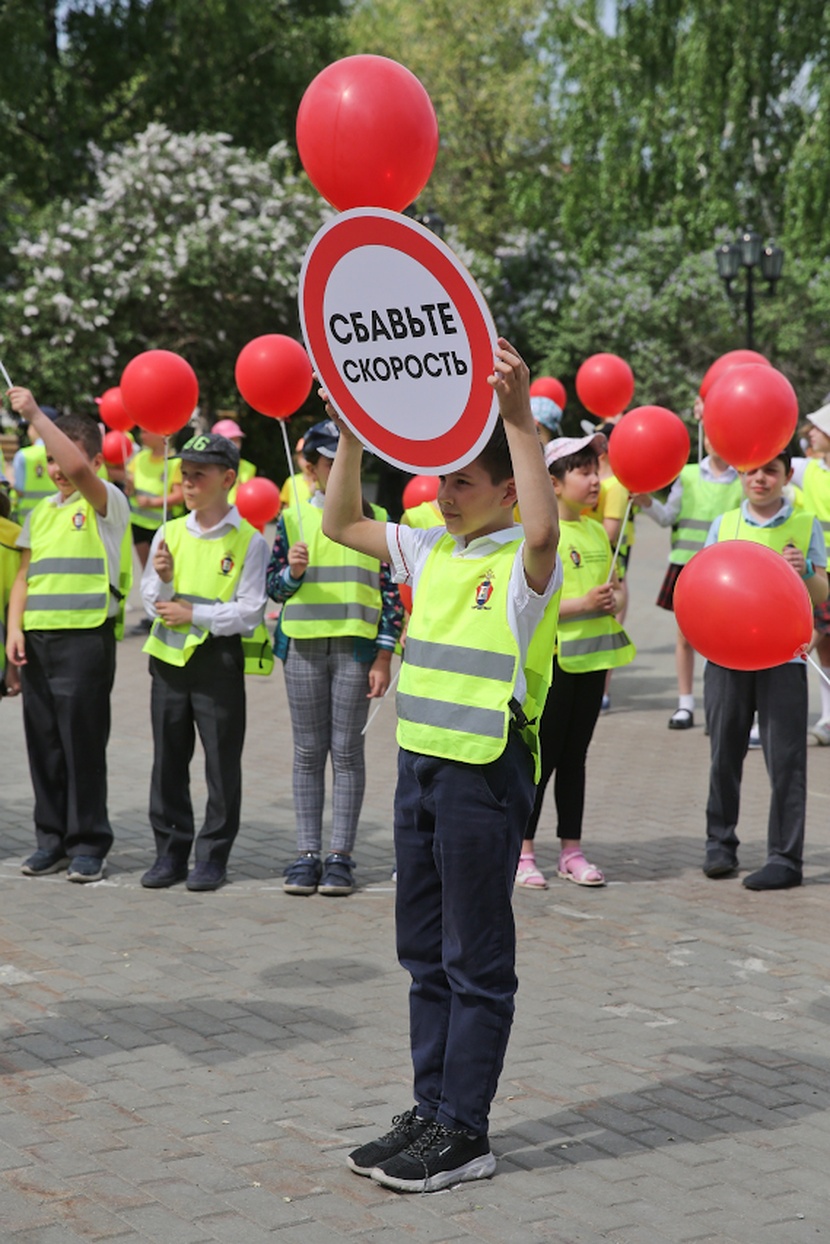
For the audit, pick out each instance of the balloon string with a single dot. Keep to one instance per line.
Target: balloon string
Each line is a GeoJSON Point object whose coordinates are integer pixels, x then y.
{"type": "Point", "coordinates": [6, 377]}
{"type": "Point", "coordinates": [620, 539]}
{"type": "Point", "coordinates": [817, 668]}
{"type": "Point", "coordinates": [378, 703]}
{"type": "Point", "coordinates": [164, 498]}
{"type": "Point", "coordinates": [700, 440]}
{"type": "Point", "coordinates": [293, 480]}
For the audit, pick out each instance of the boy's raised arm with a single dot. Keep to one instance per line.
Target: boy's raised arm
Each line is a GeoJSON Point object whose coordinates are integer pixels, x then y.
{"type": "Point", "coordinates": [534, 491]}
{"type": "Point", "coordinates": [73, 462]}
{"type": "Point", "coordinates": [343, 517]}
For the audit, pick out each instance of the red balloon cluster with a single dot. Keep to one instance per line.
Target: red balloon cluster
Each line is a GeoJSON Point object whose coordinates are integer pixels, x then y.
{"type": "Point", "coordinates": [419, 489]}
{"type": "Point", "coordinates": [750, 415]}
{"type": "Point", "coordinates": [113, 412]}
{"type": "Point", "coordinates": [258, 500]}
{"type": "Point", "coordinates": [733, 358]}
{"type": "Point", "coordinates": [605, 385]}
{"type": "Point", "coordinates": [367, 134]}
{"type": "Point", "coordinates": [159, 391]}
{"type": "Point", "coordinates": [549, 386]}
{"type": "Point", "coordinates": [274, 375]}
{"type": "Point", "coordinates": [648, 448]}
{"type": "Point", "coordinates": [741, 605]}
{"type": "Point", "coordinates": [117, 448]}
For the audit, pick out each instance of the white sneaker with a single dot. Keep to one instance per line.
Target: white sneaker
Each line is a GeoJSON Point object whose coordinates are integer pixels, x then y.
{"type": "Point", "coordinates": [754, 737]}
{"type": "Point", "coordinates": [821, 732]}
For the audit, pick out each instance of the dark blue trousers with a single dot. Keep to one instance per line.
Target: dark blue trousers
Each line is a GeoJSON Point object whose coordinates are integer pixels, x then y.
{"type": "Point", "coordinates": [458, 834]}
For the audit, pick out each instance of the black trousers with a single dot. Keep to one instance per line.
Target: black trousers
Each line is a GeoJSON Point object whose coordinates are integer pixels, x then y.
{"type": "Point", "coordinates": [67, 682]}
{"type": "Point", "coordinates": [731, 698]}
{"type": "Point", "coordinates": [208, 695]}
{"type": "Point", "coordinates": [565, 733]}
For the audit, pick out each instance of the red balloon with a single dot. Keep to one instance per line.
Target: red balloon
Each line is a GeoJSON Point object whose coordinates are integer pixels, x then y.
{"type": "Point", "coordinates": [405, 592]}
{"type": "Point", "coordinates": [113, 412]}
{"type": "Point", "coordinates": [605, 385]}
{"type": "Point", "coordinates": [734, 358]}
{"type": "Point", "coordinates": [258, 500]}
{"type": "Point", "coordinates": [419, 489]}
{"type": "Point", "coordinates": [750, 415]}
{"type": "Point", "coordinates": [160, 391]}
{"type": "Point", "coordinates": [367, 134]}
{"type": "Point", "coordinates": [273, 374]}
{"type": "Point", "coordinates": [648, 448]}
{"type": "Point", "coordinates": [549, 386]}
{"type": "Point", "coordinates": [117, 448]}
{"type": "Point", "coordinates": [741, 605]}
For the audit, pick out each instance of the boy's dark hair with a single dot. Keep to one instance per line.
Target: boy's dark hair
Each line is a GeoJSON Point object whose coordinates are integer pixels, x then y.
{"type": "Point", "coordinates": [784, 455]}
{"type": "Point", "coordinates": [495, 456]}
{"type": "Point", "coordinates": [572, 462]}
{"type": "Point", "coordinates": [83, 431]}
{"type": "Point", "coordinates": [5, 503]}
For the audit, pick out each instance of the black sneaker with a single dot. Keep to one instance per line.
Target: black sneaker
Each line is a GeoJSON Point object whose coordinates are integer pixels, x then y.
{"type": "Point", "coordinates": [207, 875]}
{"type": "Point", "coordinates": [720, 864]}
{"type": "Point", "coordinates": [406, 1128]}
{"type": "Point", "coordinates": [338, 875]}
{"type": "Point", "coordinates": [85, 868]}
{"type": "Point", "coordinates": [438, 1158]}
{"type": "Point", "coordinates": [303, 876]}
{"type": "Point", "coordinates": [41, 863]}
{"type": "Point", "coordinates": [165, 872]}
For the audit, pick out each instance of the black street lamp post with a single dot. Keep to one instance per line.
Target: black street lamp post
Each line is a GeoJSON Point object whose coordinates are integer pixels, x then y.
{"type": "Point", "coordinates": [748, 251]}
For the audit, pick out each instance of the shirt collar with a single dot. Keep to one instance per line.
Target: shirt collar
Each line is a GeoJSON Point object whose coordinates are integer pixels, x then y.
{"type": "Point", "coordinates": [779, 517]}
{"type": "Point", "coordinates": [486, 544]}
{"type": "Point", "coordinates": [726, 476]}
{"type": "Point", "coordinates": [59, 499]}
{"type": "Point", "coordinates": [231, 519]}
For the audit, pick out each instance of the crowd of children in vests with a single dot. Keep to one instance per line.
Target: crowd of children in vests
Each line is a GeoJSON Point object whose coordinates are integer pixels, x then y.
{"type": "Point", "coordinates": [513, 632]}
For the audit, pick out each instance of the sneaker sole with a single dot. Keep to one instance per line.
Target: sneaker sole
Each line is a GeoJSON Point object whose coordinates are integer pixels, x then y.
{"type": "Point", "coordinates": [359, 1170]}
{"type": "Point", "coordinates": [45, 872]}
{"type": "Point", "coordinates": [478, 1168]}
{"type": "Point", "coordinates": [299, 889]}
{"type": "Point", "coordinates": [333, 891]}
{"type": "Point", "coordinates": [79, 878]}
{"type": "Point", "coordinates": [164, 884]}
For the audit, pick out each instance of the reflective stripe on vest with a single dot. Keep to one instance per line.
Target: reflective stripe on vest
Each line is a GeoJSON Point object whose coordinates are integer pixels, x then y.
{"type": "Point", "coordinates": [593, 639]}
{"type": "Point", "coordinates": [199, 567]}
{"type": "Point", "coordinates": [68, 583]}
{"type": "Point", "coordinates": [701, 502]}
{"type": "Point", "coordinates": [454, 694]}
{"type": "Point", "coordinates": [340, 591]}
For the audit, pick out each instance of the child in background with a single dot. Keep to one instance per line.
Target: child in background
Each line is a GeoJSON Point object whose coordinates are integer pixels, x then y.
{"type": "Point", "coordinates": [204, 585]}
{"type": "Point", "coordinates": [473, 682]}
{"type": "Point", "coordinates": [779, 695]}
{"type": "Point", "coordinates": [230, 429]}
{"type": "Point", "coordinates": [9, 566]}
{"type": "Point", "coordinates": [302, 480]}
{"type": "Point", "coordinates": [812, 475]}
{"type": "Point", "coordinates": [336, 634]}
{"type": "Point", "coordinates": [145, 488]}
{"type": "Point", "coordinates": [65, 606]}
{"type": "Point", "coordinates": [30, 475]}
{"type": "Point", "coordinates": [701, 492]}
{"type": "Point", "coordinates": [589, 641]}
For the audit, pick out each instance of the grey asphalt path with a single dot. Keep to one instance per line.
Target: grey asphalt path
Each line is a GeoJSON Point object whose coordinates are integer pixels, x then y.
{"type": "Point", "coordinates": [182, 1068]}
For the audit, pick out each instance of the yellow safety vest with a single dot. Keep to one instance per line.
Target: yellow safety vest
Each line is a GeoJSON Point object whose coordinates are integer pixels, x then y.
{"type": "Point", "coordinates": [206, 572]}
{"type": "Point", "coordinates": [816, 486]}
{"type": "Point", "coordinates": [593, 640]}
{"type": "Point", "coordinates": [304, 488]}
{"type": "Point", "coordinates": [246, 471]}
{"type": "Point", "coordinates": [147, 475]}
{"type": "Point", "coordinates": [796, 530]}
{"type": "Point", "coordinates": [36, 481]}
{"type": "Point", "coordinates": [424, 516]}
{"type": "Point", "coordinates": [68, 579]}
{"type": "Point", "coordinates": [703, 500]}
{"type": "Point", "coordinates": [340, 592]}
{"type": "Point", "coordinates": [9, 566]}
{"type": "Point", "coordinates": [458, 677]}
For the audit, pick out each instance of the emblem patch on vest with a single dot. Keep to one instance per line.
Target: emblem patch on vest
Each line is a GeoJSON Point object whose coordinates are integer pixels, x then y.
{"type": "Point", "coordinates": [39, 470]}
{"type": "Point", "coordinates": [226, 564]}
{"type": "Point", "coordinates": [575, 558]}
{"type": "Point", "coordinates": [484, 591]}
{"type": "Point", "coordinates": [79, 520]}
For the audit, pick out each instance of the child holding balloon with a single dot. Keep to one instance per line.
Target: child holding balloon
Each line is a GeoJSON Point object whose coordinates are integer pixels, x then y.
{"type": "Point", "coordinates": [589, 642]}
{"type": "Point", "coordinates": [65, 609]}
{"type": "Point", "coordinates": [812, 475]}
{"type": "Point", "coordinates": [779, 694]}
{"type": "Point", "coordinates": [336, 634]}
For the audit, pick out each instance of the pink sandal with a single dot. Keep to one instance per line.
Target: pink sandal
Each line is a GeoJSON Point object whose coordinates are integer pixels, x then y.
{"type": "Point", "coordinates": [573, 866]}
{"type": "Point", "coordinates": [527, 874]}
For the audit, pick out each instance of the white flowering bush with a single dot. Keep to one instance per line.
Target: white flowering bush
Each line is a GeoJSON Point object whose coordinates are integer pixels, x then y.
{"type": "Point", "coordinates": [189, 244]}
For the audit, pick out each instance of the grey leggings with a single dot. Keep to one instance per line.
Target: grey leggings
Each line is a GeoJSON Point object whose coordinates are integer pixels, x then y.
{"type": "Point", "coordinates": [327, 692]}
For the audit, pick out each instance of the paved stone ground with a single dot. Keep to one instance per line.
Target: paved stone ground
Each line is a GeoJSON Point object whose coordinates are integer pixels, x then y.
{"type": "Point", "coordinates": [183, 1068]}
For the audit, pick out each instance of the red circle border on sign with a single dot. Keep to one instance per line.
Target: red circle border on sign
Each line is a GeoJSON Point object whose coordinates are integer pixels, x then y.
{"type": "Point", "coordinates": [371, 228]}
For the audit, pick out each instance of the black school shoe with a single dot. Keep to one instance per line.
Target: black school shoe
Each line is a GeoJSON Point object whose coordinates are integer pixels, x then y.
{"type": "Point", "coordinates": [720, 864]}
{"type": "Point", "coordinates": [406, 1128]}
{"type": "Point", "coordinates": [206, 876]}
{"type": "Point", "coordinates": [773, 877]}
{"type": "Point", "coordinates": [439, 1158]}
{"type": "Point", "coordinates": [165, 872]}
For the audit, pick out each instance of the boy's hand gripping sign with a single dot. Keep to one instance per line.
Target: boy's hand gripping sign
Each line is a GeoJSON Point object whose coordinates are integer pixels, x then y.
{"type": "Point", "coordinates": [401, 338]}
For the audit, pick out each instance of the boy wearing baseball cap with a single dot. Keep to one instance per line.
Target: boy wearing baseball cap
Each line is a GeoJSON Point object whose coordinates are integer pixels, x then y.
{"type": "Point", "coordinates": [204, 588]}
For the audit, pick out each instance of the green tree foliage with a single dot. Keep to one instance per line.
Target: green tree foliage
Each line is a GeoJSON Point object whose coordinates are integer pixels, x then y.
{"type": "Point", "coordinates": [102, 70]}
